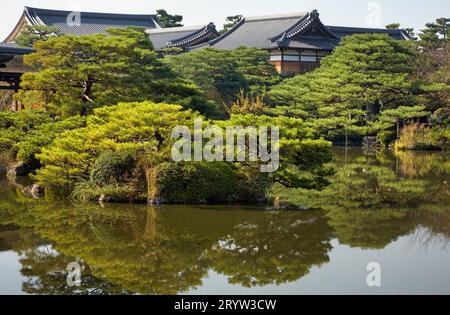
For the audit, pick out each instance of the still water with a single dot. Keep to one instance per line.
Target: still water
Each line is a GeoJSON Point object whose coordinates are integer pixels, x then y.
{"type": "Point", "coordinates": [393, 210]}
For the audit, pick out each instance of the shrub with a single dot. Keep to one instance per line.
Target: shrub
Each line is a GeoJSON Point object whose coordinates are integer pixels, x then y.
{"type": "Point", "coordinates": [88, 191]}
{"type": "Point", "coordinates": [252, 185]}
{"type": "Point", "coordinates": [419, 137]}
{"type": "Point", "coordinates": [113, 168]}
{"type": "Point", "coordinates": [441, 118]}
{"type": "Point", "coordinates": [441, 138]}
{"type": "Point", "coordinates": [196, 182]}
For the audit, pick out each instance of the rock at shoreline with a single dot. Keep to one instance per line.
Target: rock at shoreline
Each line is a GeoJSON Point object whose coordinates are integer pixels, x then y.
{"type": "Point", "coordinates": [34, 191]}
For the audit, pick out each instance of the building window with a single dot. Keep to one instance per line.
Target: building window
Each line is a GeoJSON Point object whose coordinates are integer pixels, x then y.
{"type": "Point", "coordinates": [308, 58]}
{"type": "Point", "coordinates": [275, 58]}
{"type": "Point", "coordinates": [292, 58]}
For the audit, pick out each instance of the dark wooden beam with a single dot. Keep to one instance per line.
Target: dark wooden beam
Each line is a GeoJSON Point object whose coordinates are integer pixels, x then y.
{"type": "Point", "coordinates": [6, 87]}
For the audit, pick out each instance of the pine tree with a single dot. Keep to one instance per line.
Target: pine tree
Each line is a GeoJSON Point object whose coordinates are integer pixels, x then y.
{"type": "Point", "coordinates": [75, 74]}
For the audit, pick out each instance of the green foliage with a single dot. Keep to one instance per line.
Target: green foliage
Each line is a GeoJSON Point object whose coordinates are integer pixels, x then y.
{"type": "Point", "coordinates": [23, 134]}
{"type": "Point", "coordinates": [436, 34]}
{"type": "Point", "coordinates": [75, 74]}
{"type": "Point", "coordinates": [246, 104]}
{"type": "Point", "coordinates": [374, 198]}
{"type": "Point", "coordinates": [140, 127]}
{"type": "Point", "coordinates": [166, 20]}
{"type": "Point", "coordinates": [221, 74]}
{"type": "Point", "coordinates": [421, 137]}
{"type": "Point", "coordinates": [14, 126]}
{"type": "Point", "coordinates": [396, 26]}
{"type": "Point", "coordinates": [43, 135]}
{"type": "Point", "coordinates": [441, 118]}
{"type": "Point", "coordinates": [297, 147]}
{"type": "Point", "coordinates": [365, 75]}
{"type": "Point", "coordinates": [197, 182]}
{"type": "Point", "coordinates": [387, 137]}
{"type": "Point", "coordinates": [432, 70]}
{"type": "Point", "coordinates": [137, 139]}
{"type": "Point", "coordinates": [112, 168]}
{"type": "Point", "coordinates": [393, 26]}
{"type": "Point", "coordinates": [389, 118]}
{"type": "Point", "coordinates": [29, 35]}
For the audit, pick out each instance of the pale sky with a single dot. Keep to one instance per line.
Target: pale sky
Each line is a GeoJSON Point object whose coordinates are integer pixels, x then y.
{"type": "Point", "coordinates": [364, 13]}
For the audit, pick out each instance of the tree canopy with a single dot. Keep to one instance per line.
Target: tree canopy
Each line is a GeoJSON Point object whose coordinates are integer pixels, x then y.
{"type": "Point", "coordinates": [222, 74]}
{"type": "Point", "coordinates": [167, 20]}
{"type": "Point", "coordinates": [29, 35]}
{"type": "Point", "coordinates": [364, 76]}
{"type": "Point", "coordinates": [436, 34]}
{"type": "Point", "coordinates": [75, 74]}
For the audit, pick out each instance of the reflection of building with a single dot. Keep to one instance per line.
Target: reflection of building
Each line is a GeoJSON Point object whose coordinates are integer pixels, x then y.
{"type": "Point", "coordinates": [296, 42]}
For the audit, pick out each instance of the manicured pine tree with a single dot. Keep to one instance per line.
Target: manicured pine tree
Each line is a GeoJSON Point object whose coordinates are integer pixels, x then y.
{"type": "Point", "coordinates": [75, 74]}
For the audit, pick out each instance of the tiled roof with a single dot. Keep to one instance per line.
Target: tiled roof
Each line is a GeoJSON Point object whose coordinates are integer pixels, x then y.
{"type": "Point", "coordinates": [91, 23]}
{"type": "Point", "coordinates": [342, 31]}
{"type": "Point", "coordinates": [256, 32]}
{"type": "Point", "coordinates": [301, 30]}
{"type": "Point", "coordinates": [182, 36]}
{"type": "Point", "coordinates": [312, 43]}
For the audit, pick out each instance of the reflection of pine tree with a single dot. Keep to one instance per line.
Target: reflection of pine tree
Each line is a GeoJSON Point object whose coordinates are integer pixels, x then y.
{"type": "Point", "coordinates": [274, 248]}
{"type": "Point", "coordinates": [371, 198]}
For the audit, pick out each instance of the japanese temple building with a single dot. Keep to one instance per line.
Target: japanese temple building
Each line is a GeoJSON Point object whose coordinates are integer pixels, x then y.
{"type": "Point", "coordinates": [98, 23]}
{"type": "Point", "coordinates": [296, 42]}
{"type": "Point", "coordinates": [12, 68]}
{"type": "Point", "coordinates": [90, 23]}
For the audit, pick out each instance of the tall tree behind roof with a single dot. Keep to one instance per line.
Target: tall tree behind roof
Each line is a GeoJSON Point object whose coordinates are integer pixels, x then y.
{"type": "Point", "coordinates": [436, 34]}
{"type": "Point", "coordinates": [396, 26]}
{"type": "Point", "coordinates": [31, 34]}
{"type": "Point", "coordinates": [167, 20]}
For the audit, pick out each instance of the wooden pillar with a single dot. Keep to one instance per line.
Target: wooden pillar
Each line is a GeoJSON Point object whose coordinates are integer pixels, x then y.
{"type": "Point", "coordinates": [16, 90]}
{"type": "Point", "coordinates": [300, 61]}
{"type": "Point", "coordinates": [282, 61]}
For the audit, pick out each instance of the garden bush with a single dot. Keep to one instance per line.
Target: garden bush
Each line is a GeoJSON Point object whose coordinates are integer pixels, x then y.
{"type": "Point", "coordinates": [113, 168]}
{"type": "Point", "coordinates": [196, 182]}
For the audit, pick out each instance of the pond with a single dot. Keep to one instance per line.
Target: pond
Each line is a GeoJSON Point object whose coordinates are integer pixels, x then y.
{"type": "Point", "coordinates": [384, 209]}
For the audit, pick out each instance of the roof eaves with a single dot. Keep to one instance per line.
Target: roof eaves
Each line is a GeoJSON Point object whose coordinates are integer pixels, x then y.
{"type": "Point", "coordinates": [312, 17]}
{"type": "Point", "coordinates": [32, 16]}
{"type": "Point", "coordinates": [188, 38]}
{"type": "Point", "coordinates": [194, 36]}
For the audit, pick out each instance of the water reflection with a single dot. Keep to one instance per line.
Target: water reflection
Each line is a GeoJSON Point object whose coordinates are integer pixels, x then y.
{"type": "Point", "coordinates": [374, 200]}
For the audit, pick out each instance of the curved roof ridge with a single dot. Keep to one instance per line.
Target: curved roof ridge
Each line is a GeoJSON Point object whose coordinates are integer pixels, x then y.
{"type": "Point", "coordinates": [276, 16]}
